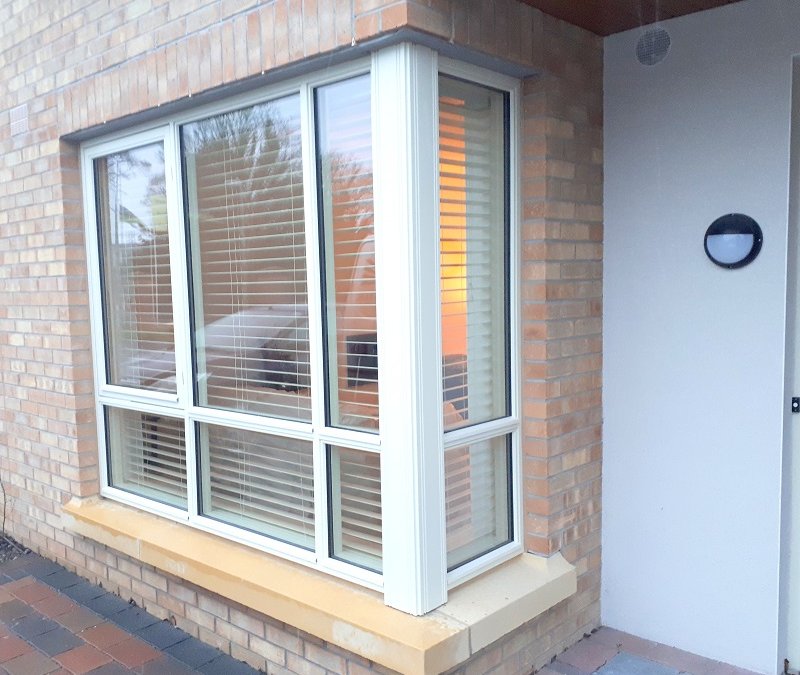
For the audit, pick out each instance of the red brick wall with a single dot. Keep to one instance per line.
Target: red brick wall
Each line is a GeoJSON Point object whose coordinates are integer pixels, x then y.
{"type": "Point", "coordinates": [79, 63]}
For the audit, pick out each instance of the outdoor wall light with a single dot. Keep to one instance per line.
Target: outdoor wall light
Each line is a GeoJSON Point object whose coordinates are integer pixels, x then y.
{"type": "Point", "coordinates": [733, 241]}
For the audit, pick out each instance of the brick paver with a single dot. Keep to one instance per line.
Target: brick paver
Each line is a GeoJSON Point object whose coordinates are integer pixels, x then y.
{"type": "Point", "coordinates": [164, 665]}
{"type": "Point", "coordinates": [14, 609]}
{"type": "Point", "coordinates": [132, 652]}
{"type": "Point", "coordinates": [588, 655]}
{"type": "Point", "coordinates": [83, 659]}
{"type": "Point", "coordinates": [104, 635]}
{"type": "Point", "coordinates": [47, 629]}
{"type": "Point", "coordinates": [12, 646]}
{"type": "Point", "coordinates": [52, 622]}
{"type": "Point", "coordinates": [32, 663]}
{"type": "Point", "coordinates": [34, 592]}
{"type": "Point", "coordinates": [611, 652]}
{"type": "Point", "coordinates": [79, 619]}
{"type": "Point", "coordinates": [55, 606]}
{"type": "Point", "coordinates": [32, 625]}
{"type": "Point", "coordinates": [56, 641]}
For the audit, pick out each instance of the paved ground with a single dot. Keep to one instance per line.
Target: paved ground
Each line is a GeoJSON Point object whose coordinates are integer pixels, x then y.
{"type": "Point", "coordinates": [610, 652]}
{"type": "Point", "coordinates": [52, 621]}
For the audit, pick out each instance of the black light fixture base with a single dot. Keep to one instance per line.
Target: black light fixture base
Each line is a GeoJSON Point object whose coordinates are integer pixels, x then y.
{"type": "Point", "coordinates": [733, 241]}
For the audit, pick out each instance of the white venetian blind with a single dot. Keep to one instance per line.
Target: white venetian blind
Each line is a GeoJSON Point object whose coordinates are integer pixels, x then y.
{"type": "Point", "coordinates": [473, 243]}
{"type": "Point", "coordinates": [476, 499]}
{"type": "Point", "coordinates": [148, 455]}
{"type": "Point", "coordinates": [356, 506]}
{"type": "Point", "coordinates": [137, 290]}
{"type": "Point", "coordinates": [344, 147]}
{"type": "Point", "coordinates": [259, 482]}
{"type": "Point", "coordinates": [244, 190]}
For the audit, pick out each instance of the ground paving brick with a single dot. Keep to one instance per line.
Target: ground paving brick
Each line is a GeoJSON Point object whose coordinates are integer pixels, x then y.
{"type": "Point", "coordinates": [73, 627]}
{"type": "Point", "coordinates": [83, 659]}
{"type": "Point", "coordinates": [32, 663]}
{"type": "Point", "coordinates": [134, 619]}
{"type": "Point", "coordinates": [32, 625]}
{"type": "Point", "coordinates": [56, 641]}
{"type": "Point", "coordinates": [14, 609]}
{"type": "Point", "coordinates": [108, 604]}
{"type": "Point", "coordinates": [611, 652]}
{"type": "Point", "coordinates": [162, 635]}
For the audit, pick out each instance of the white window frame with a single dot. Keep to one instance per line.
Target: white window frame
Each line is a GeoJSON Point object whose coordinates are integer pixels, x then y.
{"type": "Point", "coordinates": [404, 81]}
{"type": "Point", "coordinates": [509, 425]}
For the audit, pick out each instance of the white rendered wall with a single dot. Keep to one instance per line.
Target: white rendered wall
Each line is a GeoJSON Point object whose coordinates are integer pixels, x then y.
{"type": "Point", "coordinates": [694, 354]}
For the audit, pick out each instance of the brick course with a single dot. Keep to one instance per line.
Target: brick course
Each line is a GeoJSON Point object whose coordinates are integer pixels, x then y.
{"type": "Point", "coordinates": [76, 64]}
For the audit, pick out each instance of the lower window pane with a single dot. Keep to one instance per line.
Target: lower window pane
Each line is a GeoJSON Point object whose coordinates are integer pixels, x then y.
{"type": "Point", "coordinates": [355, 494]}
{"type": "Point", "coordinates": [477, 499]}
{"type": "Point", "coordinates": [147, 455]}
{"type": "Point", "coordinates": [259, 482]}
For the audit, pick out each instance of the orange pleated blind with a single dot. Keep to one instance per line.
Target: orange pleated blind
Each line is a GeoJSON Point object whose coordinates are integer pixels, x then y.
{"type": "Point", "coordinates": [473, 242]}
{"type": "Point", "coordinates": [473, 252]}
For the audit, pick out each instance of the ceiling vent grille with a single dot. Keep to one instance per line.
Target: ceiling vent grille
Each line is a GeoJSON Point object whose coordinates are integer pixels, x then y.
{"type": "Point", "coordinates": [653, 46]}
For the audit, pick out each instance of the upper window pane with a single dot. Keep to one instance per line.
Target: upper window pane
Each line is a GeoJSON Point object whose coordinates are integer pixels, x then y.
{"type": "Point", "coordinates": [137, 289]}
{"type": "Point", "coordinates": [344, 165]}
{"type": "Point", "coordinates": [244, 195]}
{"type": "Point", "coordinates": [473, 170]}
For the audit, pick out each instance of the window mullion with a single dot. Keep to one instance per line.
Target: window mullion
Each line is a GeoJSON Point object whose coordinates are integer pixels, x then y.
{"type": "Point", "coordinates": [409, 345]}
{"type": "Point", "coordinates": [180, 302]}
{"type": "Point", "coordinates": [316, 366]}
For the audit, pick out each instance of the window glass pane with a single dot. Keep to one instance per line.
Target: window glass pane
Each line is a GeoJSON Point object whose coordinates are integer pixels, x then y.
{"type": "Point", "coordinates": [244, 195]}
{"type": "Point", "coordinates": [137, 290]}
{"type": "Point", "coordinates": [355, 496]}
{"type": "Point", "coordinates": [344, 147]}
{"type": "Point", "coordinates": [473, 244]}
{"type": "Point", "coordinates": [147, 455]}
{"type": "Point", "coordinates": [260, 482]}
{"type": "Point", "coordinates": [477, 506]}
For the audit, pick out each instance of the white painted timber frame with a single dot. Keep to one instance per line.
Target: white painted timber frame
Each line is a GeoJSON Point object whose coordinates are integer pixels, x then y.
{"type": "Point", "coordinates": [404, 84]}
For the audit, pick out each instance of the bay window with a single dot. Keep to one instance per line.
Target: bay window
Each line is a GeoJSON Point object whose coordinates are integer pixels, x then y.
{"type": "Point", "coordinates": [304, 320]}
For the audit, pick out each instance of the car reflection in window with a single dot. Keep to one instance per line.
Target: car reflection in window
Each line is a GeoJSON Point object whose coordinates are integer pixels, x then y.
{"type": "Point", "coordinates": [267, 348]}
{"type": "Point", "coordinates": [261, 346]}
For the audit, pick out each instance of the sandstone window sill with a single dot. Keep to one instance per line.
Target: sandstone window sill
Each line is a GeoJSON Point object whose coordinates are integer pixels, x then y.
{"type": "Point", "coordinates": [477, 613]}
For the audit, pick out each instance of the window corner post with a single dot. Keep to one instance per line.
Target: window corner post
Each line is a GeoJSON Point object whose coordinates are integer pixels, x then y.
{"type": "Point", "coordinates": [409, 346]}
